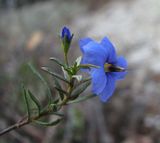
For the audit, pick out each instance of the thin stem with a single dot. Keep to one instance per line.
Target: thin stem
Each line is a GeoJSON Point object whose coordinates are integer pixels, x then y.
{"type": "Point", "coordinates": [44, 112]}
{"type": "Point", "coordinates": [24, 122]}
{"type": "Point", "coordinates": [15, 126]}
{"type": "Point", "coordinates": [47, 110]}
{"type": "Point", "coordinates": [66, 59]}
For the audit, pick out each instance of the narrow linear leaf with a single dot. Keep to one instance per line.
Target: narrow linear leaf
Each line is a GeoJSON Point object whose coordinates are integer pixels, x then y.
{"type": "Point", "coordinates": [66, 72]}
{"type": "Point", "coordinates": [88, 66]}
{"type": "Point", "coordinates": [35, 100]}
{"type": "Point", "coordinates": [58, 114]}
{"type": "Point", "coordinates": [85, 80]}
{"type": "Point", "coordinates": [57, 61]}
{"type": "Point", "coordinates": [60, 90]}
{"type": "Point", "coordinates": [36, 73]}
{"type": "Point", "coordinates": [53, 123]}
{"type": "Point", "coordinates": [59, 87]}
{"type": "Point", "coordinates": [80, 89]}
{"type": "Point", "coordinates": [27, 102]}
{"type": "Point", "coordinates": [55, 74]}
{"type": "Point", "coordinates": [43, 80]}
{"type": "Point", "coordinates": [82, 99]}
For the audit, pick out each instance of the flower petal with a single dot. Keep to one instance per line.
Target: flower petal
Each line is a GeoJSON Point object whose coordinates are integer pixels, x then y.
{"type": "Point", "coordinates": [111, 57]}
{"type": "Point", "coordinates": [66, 32]}
{"type": "Point", "coordinates": [83, 42]}
{"type": "Point", "coordinates": [98, 80]}
{"type": "Point", "coordinates": [121, 61]}
{"type": "Point", "coordinates": [94, 53]}
{"type": "Point", "coordinates": [109, 88]}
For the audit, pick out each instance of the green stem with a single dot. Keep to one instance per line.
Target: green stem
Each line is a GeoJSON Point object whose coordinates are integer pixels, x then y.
{"type": "Point", "coordinates": [21, 123]}
{"type": "Point", "coordinates": [66, 59]}
{"type": "Point", "coordinates": [47, 110]}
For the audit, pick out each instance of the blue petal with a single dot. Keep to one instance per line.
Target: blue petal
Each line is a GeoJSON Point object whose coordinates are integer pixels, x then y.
{"type": "Point", "coordinates": [83, 42]}
{"type": "Point", "coordinates": [111, 57]}
{"type": "Point", "coordinates": [109, 88]}
{"type": "Point", "coordinates": [66, 32]}
{"type": "Point", "coordinates": [98, 80]}
{"type": "Point", "coordinates": [121, 61]}
{"type": "Point", "coordinates": [94, 54]}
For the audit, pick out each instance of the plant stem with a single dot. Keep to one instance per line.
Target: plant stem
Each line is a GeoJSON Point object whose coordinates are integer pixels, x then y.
{"type": "Point", "coordinates": [47, 110]}
{"type": "Point", "coordinates": [24, 122]}
{"type": "Point", "coordinates": [66, 59]}
{"type": "Point", "coordinates": [27, 121]}
{"type": "Point", "coordinates": [15, 126]}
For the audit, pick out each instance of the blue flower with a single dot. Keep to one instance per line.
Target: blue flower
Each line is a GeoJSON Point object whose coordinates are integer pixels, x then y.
{"type": "Point", "coordinates": [111, 67]}
{"type": "Point", "coordinates": [65, 33]}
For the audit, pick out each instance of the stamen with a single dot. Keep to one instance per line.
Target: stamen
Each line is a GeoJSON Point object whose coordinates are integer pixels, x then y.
{"type": "Point", "coordinates": [113, 68]}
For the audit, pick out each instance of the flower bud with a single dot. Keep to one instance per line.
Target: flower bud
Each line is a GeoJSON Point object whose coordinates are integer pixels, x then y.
{"type": "Point", "coordinates": [66, 38]}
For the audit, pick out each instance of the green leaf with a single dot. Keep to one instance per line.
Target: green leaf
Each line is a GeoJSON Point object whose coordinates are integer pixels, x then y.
{"type": "Point", "coordinates": [79, 90]}
{"type": "Point", "coordinates": [35, 100]}
{"type": "Point", "coordinates": [57, 61]}
{"type": "Point", "coordinates": [55, 74]}
{"type": "Point", "coordinates": [43, 80]}
{"type": "Point", "coordinates": [88, 66]}
{"type": "Point", "coordinates": [25, 94]}
{"type": "Point", "coordinates": [60, 90]}
{"type": "Point", "coordinates": [57, 114]}
{"type": "Point", "coordinates": [84, 81]}
{"type": "Point", "coordinates": [53, 123]}
{"type": "Point", "coordinates": [66, 72]}
{"type": "Point", "coordinates": [57, 84]}
{"type": "Point", "coordinates": [82, 99]}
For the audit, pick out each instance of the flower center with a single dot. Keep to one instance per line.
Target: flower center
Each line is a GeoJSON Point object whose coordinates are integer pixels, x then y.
{"type": "Point", "coordinates": [113, 68]}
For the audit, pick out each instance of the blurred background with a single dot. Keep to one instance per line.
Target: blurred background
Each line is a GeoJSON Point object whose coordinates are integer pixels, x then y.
{"type": "Point", "coordinates": [29, 31]}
